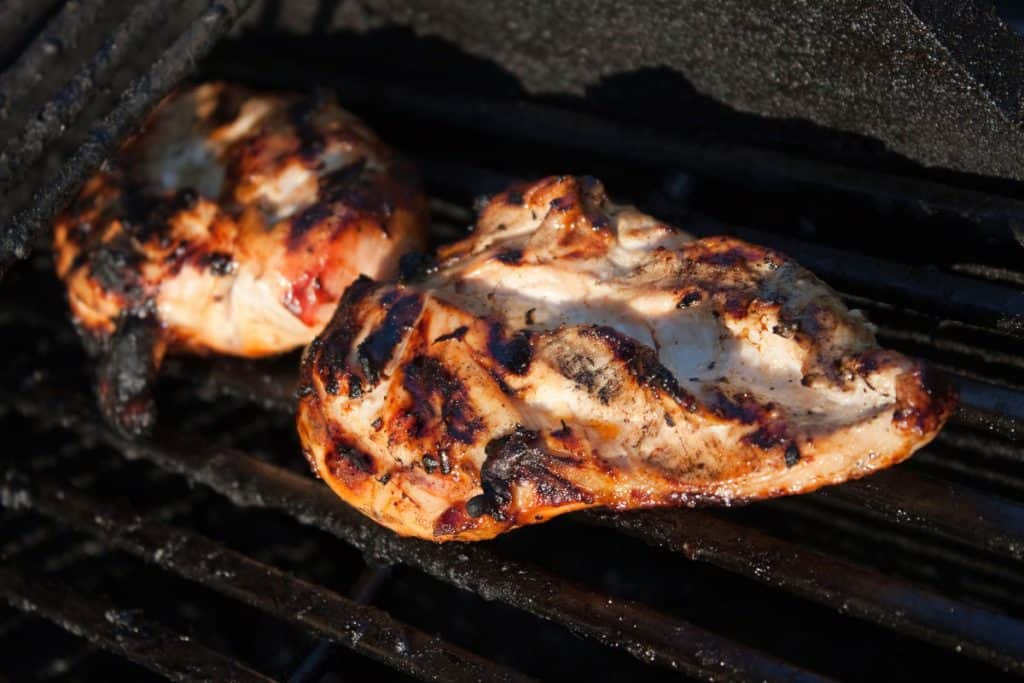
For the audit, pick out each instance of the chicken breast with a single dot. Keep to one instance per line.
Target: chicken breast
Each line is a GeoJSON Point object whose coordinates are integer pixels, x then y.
{"type": "Point", "coordinates": [230, 224]}
{"type": "Point", "coordinates": [575, 353]}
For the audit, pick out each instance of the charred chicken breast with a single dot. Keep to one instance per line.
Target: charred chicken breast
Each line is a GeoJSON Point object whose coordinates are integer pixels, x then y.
{"type": "Point", "coordinates": [230, 224]}
{"type": "Point", "coordinates": [575, 353]}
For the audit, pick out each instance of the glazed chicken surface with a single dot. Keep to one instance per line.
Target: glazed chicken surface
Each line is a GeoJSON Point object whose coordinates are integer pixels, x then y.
{"type": "Point", "coordinates": [573, 353]}
{"type": "Point", "coordinates": [230, 224]}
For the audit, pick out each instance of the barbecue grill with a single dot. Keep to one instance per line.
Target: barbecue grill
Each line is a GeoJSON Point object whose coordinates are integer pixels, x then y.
{"type": "Point", "coordinates": [208, 551]}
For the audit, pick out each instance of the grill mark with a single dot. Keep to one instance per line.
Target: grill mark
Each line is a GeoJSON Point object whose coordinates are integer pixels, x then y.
{"type": "Point", "coordinates": [580, 369]}
{"type": "Point", "coordinates": [515, 353]}
{"type": "Point", "coordinates": [376, 350]}
{"type": "Point", "coordinates": [458, 333]}
{"type": "Point", "coordinates": [328, 354]}
{"type": "Point", "coordinates": [642, 363]}
{"type": "Point", "coordinates": [302, 114]}
{"type": "Point", "coordinates": [340, 191]}
{"type": "Point", "coordinates": [344, 459]}
{"type": "Point", "coordinates": [742, 408]}
{"type": "Point", "coordinates": [145, 216]}
{"type": "Point", "coordinates": [434, 390]}
{"type": "Point", "coordinates": [307, 219]}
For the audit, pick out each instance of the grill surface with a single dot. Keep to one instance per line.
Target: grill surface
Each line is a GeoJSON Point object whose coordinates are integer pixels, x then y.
{"type": "Point", "coordinates": [210, 553]}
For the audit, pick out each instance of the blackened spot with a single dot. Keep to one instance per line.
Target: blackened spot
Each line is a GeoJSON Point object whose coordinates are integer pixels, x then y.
{"type": "Point", "coordinates": [144, 215]}
{"type": "Point", "coordinates": [479, 505]}
{"type": "Point", "coordinates": [305, 389]}
{"type": "Point", "coordinates": [767, 437]}
{"type": "Point", "coordinates": [346, 184]}
{"type": "Point", "coordinates": [308, 218]}
{"type": "Point", "coordinates": [510, 257]}
{"type": "Point", "coordinates": [126, 374]}
{"type": "Point", "coordinates": [737, 303]}
{"type": "Point", "coordinates": [435, 391]}
{"type": "Point", "coordinates": [331, 386]}
{"type": "Point", "coordinates": [608, 391]}
{"type": "Point", "coordinates": [416, 266]}
{"type": "Point", "coordinates": [350, 453]}
{"type": "Point", "coordinates": [578, 368]}
{"type": "Point", "coordinates": [741, 408]}
{"type": "Point", "coordinates": [728, 258]}
{"type": "Point", "coordinates": [429, 463]}
{"type": "Point", "coordinates": [669, 421]}
{"type": "Point", "coordinates": [502, 384]}
{"type": "Point", "coordinates": [457, 333]}
{"type": "Point", "coordinates": [384, 478]}
{"type": "Point", "coordinates": [504, 456]}
{"type": "Point", "coordinates": [446, 464]}
{"type": "Point", "coordinates": [220, 263]}
{"type": "Point", "coordinates": [689, 299]}
{"type": "Point", "coordinates": [375, 351]}
{"type": "Point", "coordinates": [303, 114]}
{"type": "Point", "coordinates": [377, 423]}
{"type": "Point", "coordinates": [515, 457]}
{"type": "Point", "coordinates": [562, 432]}
{"type": "Point", "coordinates": [329, 352]}
{"type": "Point", "coordinates": [792, 455]}
{"type": "Point", "coordinates": [115, 267]}
{"type": "Point", "coordinates": [529, 316]}
{"type": "Point", "coordinates": [513, 354]}
{"type": "Point", "coordinates": [229, 103]}
{"type": "Point", "coordinates": [642, 362]}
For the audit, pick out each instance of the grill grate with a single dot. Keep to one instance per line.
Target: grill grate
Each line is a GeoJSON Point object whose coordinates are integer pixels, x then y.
{"type": "Point", "coordinates": [927, 557]}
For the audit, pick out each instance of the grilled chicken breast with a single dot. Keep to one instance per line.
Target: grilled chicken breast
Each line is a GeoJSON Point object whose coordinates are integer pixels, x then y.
{"type": "Point", "coordinates": [230, 224]}
{"type": "Point", "coordinates": [575, 353]}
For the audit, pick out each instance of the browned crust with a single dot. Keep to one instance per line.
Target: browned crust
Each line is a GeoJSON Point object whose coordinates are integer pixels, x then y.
{"type": "Point", "coordinates": [121, 240]}
{"type": "Point", "coordinates": [461, 388]}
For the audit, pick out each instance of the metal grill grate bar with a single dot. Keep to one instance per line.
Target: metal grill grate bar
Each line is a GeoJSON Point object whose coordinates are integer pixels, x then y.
{"type": "Point", "coordinates": [24, 149]}
{"type": "Point", "coordinates": [859, 591]}
{"type": "Point", "coordinates": [123, 632]}
{"type": "Point", "coordinates": [937, 507]}
{"type": "Point", "coordinates": [173, 65]}
{"type": "Point", "coordinates": [978, 519]}
{"type": "Point", "coordinates": [364, 629]}
{"type": "Point", "coordinates": [648, 635]}
{"type": "Point", "coordinates": [18, 21]}
{"type": "Point", "coordinates": [65, 28]}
